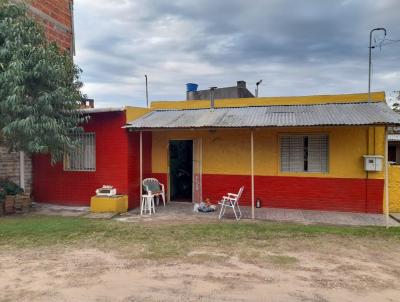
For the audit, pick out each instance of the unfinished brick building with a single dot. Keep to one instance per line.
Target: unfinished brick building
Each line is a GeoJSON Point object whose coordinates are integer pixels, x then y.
{"type": "Point", "coordinates": [57, 19]}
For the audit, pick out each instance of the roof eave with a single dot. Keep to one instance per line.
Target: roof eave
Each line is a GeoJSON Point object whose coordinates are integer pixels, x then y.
{"type": "Point", "coordinates": [133, 128]}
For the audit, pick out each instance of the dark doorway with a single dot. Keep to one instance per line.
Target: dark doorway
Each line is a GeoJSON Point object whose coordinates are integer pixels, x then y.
{"type": "Point", "coordinates": [181, 170]}
{"type": "Point", "coordinates": [392, 153]}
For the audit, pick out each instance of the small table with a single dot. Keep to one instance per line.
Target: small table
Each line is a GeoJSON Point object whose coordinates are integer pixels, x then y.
{"type": "Point", "coordinates": [147, 204]}
{"type": "Point", "coordinates": [106, 204]}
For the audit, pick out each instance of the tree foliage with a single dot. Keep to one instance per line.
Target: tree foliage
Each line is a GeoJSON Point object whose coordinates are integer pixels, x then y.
{"type": "Point", "coordinates": [39, 87]}
{"type": "Point", "coordinates": [396, 104]}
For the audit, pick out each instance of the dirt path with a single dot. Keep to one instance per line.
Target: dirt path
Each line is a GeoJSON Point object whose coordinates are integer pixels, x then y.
{"type": "Point", "coordinates": [86, 274]}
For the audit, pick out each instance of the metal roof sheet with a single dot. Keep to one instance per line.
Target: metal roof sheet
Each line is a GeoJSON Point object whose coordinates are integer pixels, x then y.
{"type": "Point", "coordinates": [101, 110]}
{"type": "Point", "coordinates": [375, 113]}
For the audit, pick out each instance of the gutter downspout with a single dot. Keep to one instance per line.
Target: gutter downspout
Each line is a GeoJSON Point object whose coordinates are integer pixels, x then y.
{"type": "Point", "coordinates": [22, 170]}
{"type": "Point", "coordinates": [386, 178]}
{"type": "Point", "coordinates": [140, 164]}
{"type": "Point", "coordinates": [252, 173]}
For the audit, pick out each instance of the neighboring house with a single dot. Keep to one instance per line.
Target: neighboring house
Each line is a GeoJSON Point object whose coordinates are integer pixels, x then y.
{"type": "Point", "coordinates": [57, 18]}
{"type": "Point", "coordinates": [234, 92]}
{"type": "Point", "coordinates": [288, 152]}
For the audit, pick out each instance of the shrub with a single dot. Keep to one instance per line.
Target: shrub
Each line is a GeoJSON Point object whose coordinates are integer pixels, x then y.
{"type": "Point", "coordinates": [2, 195]}
{"type": "Point", "coordinates": [9, 187]}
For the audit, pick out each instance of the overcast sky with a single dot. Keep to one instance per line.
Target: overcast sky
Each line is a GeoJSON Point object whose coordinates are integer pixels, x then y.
{"type": "Point", "coordinates": [296, 47]}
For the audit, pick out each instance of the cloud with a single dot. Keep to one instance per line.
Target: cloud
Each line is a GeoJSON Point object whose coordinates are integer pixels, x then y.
{"type": "Point", "coordinates": [296, 47]}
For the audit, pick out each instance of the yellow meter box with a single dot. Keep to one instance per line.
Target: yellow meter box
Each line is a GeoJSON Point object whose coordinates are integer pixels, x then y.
{"type": "Point", "coordinates": [107, 204]}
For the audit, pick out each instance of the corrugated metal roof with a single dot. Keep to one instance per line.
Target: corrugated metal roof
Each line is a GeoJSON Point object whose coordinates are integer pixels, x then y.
{"type": "Point", "coordinates": [375, 113]}
{"type": "Point", "coordinates": [394, 137]}
{"type": "Point", "coordinates": [101, 110]}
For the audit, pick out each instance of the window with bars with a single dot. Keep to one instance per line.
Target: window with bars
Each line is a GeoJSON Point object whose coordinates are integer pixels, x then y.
{"type": "Point", "coordinates": [83, 157]}
{"type": "Point", "coordinates": [304, 153]}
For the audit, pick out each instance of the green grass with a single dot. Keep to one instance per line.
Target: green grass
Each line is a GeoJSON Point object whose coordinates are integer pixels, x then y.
{"type": "Point", "coordinates": [162, 240]}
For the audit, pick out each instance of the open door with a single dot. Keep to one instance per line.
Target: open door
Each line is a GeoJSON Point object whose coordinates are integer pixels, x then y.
{"type": "Point", "coordinates": [197, 170]}
{"type": "Point", "coordinates": [180, 170]}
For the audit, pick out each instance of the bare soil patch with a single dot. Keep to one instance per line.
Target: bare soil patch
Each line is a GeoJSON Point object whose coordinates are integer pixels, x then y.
{"type": "Point", "coordinates": [283, 274]}
{"type": "Point", "coordinates": [77, 259]}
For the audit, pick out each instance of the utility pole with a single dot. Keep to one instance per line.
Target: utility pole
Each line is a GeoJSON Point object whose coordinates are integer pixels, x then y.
{"type": "Point", "coordinates": [370, 59]}
{"type": "Point", "coordinates": [147, 92]}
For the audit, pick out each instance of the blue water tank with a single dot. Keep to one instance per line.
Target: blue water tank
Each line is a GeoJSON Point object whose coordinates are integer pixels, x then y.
{"type": "Point", "coordinates": [191, 87]}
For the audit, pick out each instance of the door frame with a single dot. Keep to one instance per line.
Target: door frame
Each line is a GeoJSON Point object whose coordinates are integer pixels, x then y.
{"type": "Point", "coordinates": [194, 142]}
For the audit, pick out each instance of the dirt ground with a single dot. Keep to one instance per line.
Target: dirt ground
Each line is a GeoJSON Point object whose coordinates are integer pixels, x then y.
{"type": "Point", "coordinates": [302, 271]}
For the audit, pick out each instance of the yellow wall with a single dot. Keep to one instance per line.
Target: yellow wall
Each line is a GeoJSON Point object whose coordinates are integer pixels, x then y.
{"type": "Point", "coordinates": [262, 101]}
{"type": "Point", "coordinates": [228, 151]}
{"type": "Point", "coordinates": [394, 189]}
{"type": "Point", "coordinates": [133, 113]}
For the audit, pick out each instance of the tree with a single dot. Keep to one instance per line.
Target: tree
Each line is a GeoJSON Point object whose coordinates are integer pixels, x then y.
{"type": "Point", "coordinates": [396, 104]}
{"type": "Point", "coordinates": [39, 87]}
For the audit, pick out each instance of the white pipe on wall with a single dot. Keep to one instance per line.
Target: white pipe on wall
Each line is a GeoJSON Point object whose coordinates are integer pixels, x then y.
{"type": "Point", "coordinates": [22, 170]}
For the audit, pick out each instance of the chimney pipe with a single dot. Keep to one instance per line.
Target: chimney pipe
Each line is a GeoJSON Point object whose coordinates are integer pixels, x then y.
{"type": "Point", "coordinates": [257, 84]}
{"type": "Point", "coordinates": [212, 98]}
{"type": "Point", "coordinates": [241, 84]}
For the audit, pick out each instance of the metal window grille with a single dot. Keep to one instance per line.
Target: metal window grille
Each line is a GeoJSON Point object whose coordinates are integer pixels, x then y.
{"type": "Point", "coordinates": [304, 153]}
{"type": "Point", "coordinates": [83, 157]}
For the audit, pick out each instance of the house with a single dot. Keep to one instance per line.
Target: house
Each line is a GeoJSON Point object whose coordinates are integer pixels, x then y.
{"type": "Point", "coordinates": [289, 152]}
{"type": "Point", "coordinates": [234, 92]}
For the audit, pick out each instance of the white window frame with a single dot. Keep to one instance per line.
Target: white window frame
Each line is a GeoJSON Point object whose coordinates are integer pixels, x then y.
{"type": "Point", "coordinates": [321, 171]}
{"type": "Point", "coordinates": [86, 160]}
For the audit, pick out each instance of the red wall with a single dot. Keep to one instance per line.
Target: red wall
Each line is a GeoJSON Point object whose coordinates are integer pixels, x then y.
{"type": "Point", "coordinates": [54, 185]}
{"type": "Point", "coordinates": [117, 164]}
{"type": "Point", "coordinates": [310, 193]}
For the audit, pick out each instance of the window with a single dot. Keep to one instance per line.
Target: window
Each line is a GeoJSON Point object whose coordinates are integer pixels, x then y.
{"type": "Point", "coordinates": [83, 157]}
{"type": "Point", "coordinates": [304, 153]}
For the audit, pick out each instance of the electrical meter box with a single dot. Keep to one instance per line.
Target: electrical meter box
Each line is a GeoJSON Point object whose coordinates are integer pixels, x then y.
{"type": "Point", "coordinates": [373, 162]}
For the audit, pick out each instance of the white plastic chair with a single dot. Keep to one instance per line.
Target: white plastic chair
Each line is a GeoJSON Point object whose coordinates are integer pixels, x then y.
{"type": "Point", "coordinates": [154, 188]}
{"type": "Point", "coordinates": [231, 201]}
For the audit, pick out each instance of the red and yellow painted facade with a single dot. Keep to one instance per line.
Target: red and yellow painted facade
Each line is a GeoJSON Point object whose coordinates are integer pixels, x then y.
{"type": "Point", "coordinates": [226, 161]}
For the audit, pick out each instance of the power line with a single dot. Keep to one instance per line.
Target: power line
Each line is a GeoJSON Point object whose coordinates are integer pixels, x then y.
{"type": "Point", "coordinates": [384, 43]}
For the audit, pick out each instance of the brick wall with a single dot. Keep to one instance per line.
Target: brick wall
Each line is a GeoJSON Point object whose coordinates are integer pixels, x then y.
{"type": "Point", "coordinates": [56, 16]}
{"type": "Point", "coordinates": [9, 167]}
